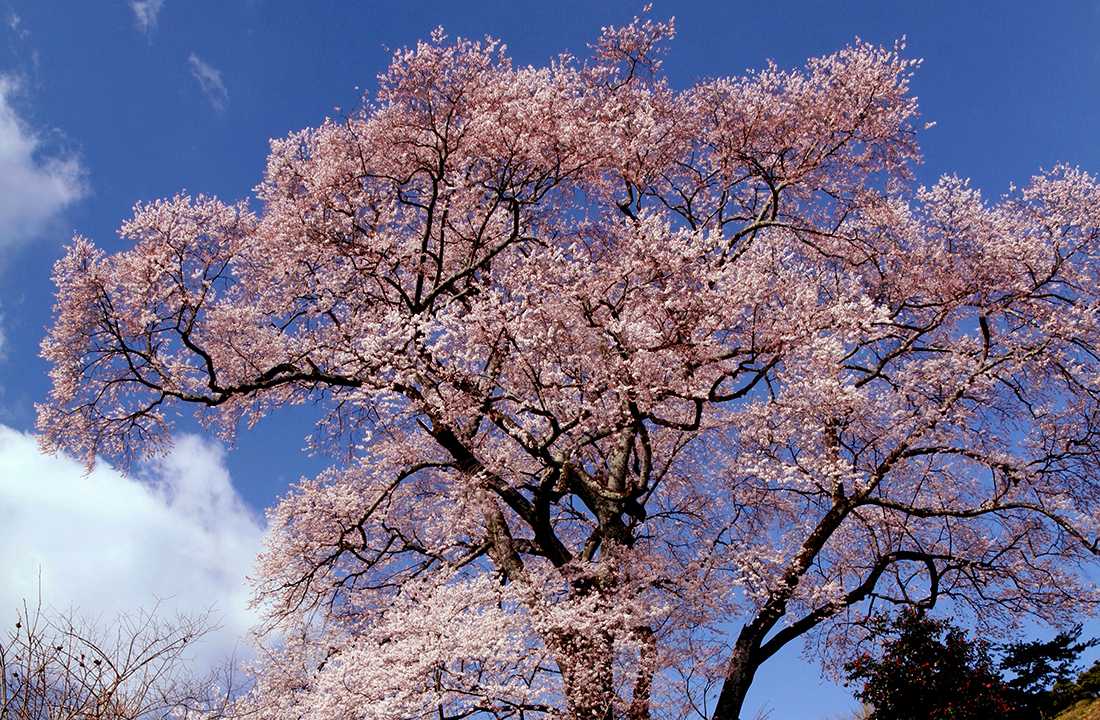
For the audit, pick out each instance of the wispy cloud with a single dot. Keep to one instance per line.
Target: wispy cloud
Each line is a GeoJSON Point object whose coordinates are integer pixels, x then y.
{"type": "Point", "coordinates": [145, 14]}
{"type": "Point", "coordinates": [211, 82]}
{"type": "Point", "coordinates": [13, 23]}
{"type": "Point", "coordinates": [35, 184]}
{"type": "Point", "coordinates": [104, 542]}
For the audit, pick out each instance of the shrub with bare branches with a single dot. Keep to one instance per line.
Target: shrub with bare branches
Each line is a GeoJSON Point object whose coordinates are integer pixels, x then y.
{"type": "Point", "coordinates": [63, 665]}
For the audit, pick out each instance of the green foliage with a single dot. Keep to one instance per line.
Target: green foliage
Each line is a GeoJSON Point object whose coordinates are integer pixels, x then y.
{"type": "Point", "coordinates": [1043, 683]}
{"type": "Point", "coordinates": [929, 670]}
{"type": "Point", "coordinates": [1067, 693]}
{"type": "Point", "coordinates": [1043, 673]}
{"type": "Point", "coordinates": [1089, 681]}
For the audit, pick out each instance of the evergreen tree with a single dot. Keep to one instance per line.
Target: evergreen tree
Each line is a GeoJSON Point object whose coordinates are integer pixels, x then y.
{"type": "Point", "coordinates": [1043, 684]}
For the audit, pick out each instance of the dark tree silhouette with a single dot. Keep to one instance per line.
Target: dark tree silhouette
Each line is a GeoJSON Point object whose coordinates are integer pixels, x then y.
{"type": "Point", "coordinates": [1043, 684]}
{"type": "Point", "coordinates": [928, 670]}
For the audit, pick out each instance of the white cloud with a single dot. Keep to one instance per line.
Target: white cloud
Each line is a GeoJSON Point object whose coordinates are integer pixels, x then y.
{"type": "Point", "coordinates": [34, 189]}
{"type": "Point", "coordinates": [104, 542]}
{"type": "Point", "coordinates": [145, 14]}
{"type": "Point", "coordinates": [211, 82]}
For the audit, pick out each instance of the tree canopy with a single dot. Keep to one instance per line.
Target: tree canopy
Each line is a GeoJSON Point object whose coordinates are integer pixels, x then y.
{"type": "Point", "coordinates": [926, 668]}
{"type": "Point", "coordinates": [1043, 672]}
{"type": "Point", "coordinates": [609, 368]}
{"type": "Point", "coordinates": [930, 670]}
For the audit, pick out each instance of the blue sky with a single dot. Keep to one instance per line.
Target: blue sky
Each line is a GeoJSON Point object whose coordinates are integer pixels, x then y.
{"type": "Point", "coordinates": [104, 103]}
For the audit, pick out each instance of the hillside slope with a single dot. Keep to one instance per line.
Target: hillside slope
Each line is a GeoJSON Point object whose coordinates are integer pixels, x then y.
{"type": "Point", "coordinates": [1084, 710]}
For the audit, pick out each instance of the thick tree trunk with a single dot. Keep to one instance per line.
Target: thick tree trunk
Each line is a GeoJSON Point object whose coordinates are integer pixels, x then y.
{"type": "Point", "coordinates": [586, 664]}
{"type": "Point", "coordinates": [739, 676]}
{"type": "Point", "coordinates": [647, 668]}
{"type": "Point", "coordinates": [747, 654]}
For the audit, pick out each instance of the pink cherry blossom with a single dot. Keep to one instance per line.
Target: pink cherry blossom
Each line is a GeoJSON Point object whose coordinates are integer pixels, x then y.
{"type": "Point", "coordinates": [627, 387]}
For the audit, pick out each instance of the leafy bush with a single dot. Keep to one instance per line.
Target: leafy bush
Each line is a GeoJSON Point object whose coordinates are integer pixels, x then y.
{"type": "Point", "coordinates": [929, 670]}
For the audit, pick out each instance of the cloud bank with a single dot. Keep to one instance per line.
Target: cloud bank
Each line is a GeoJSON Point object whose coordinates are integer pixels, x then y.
{"type": "Point", "coordinates": [34, 187]}
{"type": "Point", "coordinates": [176, 531]}
{"type": "Point", "coordinates": [145, 14]}
{"type": "Point", "coordinates": [210, 80]}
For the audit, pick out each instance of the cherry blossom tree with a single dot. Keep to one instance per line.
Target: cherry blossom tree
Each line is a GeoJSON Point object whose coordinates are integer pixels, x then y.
{"type": "Point", "coordinates": [627, 387]}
